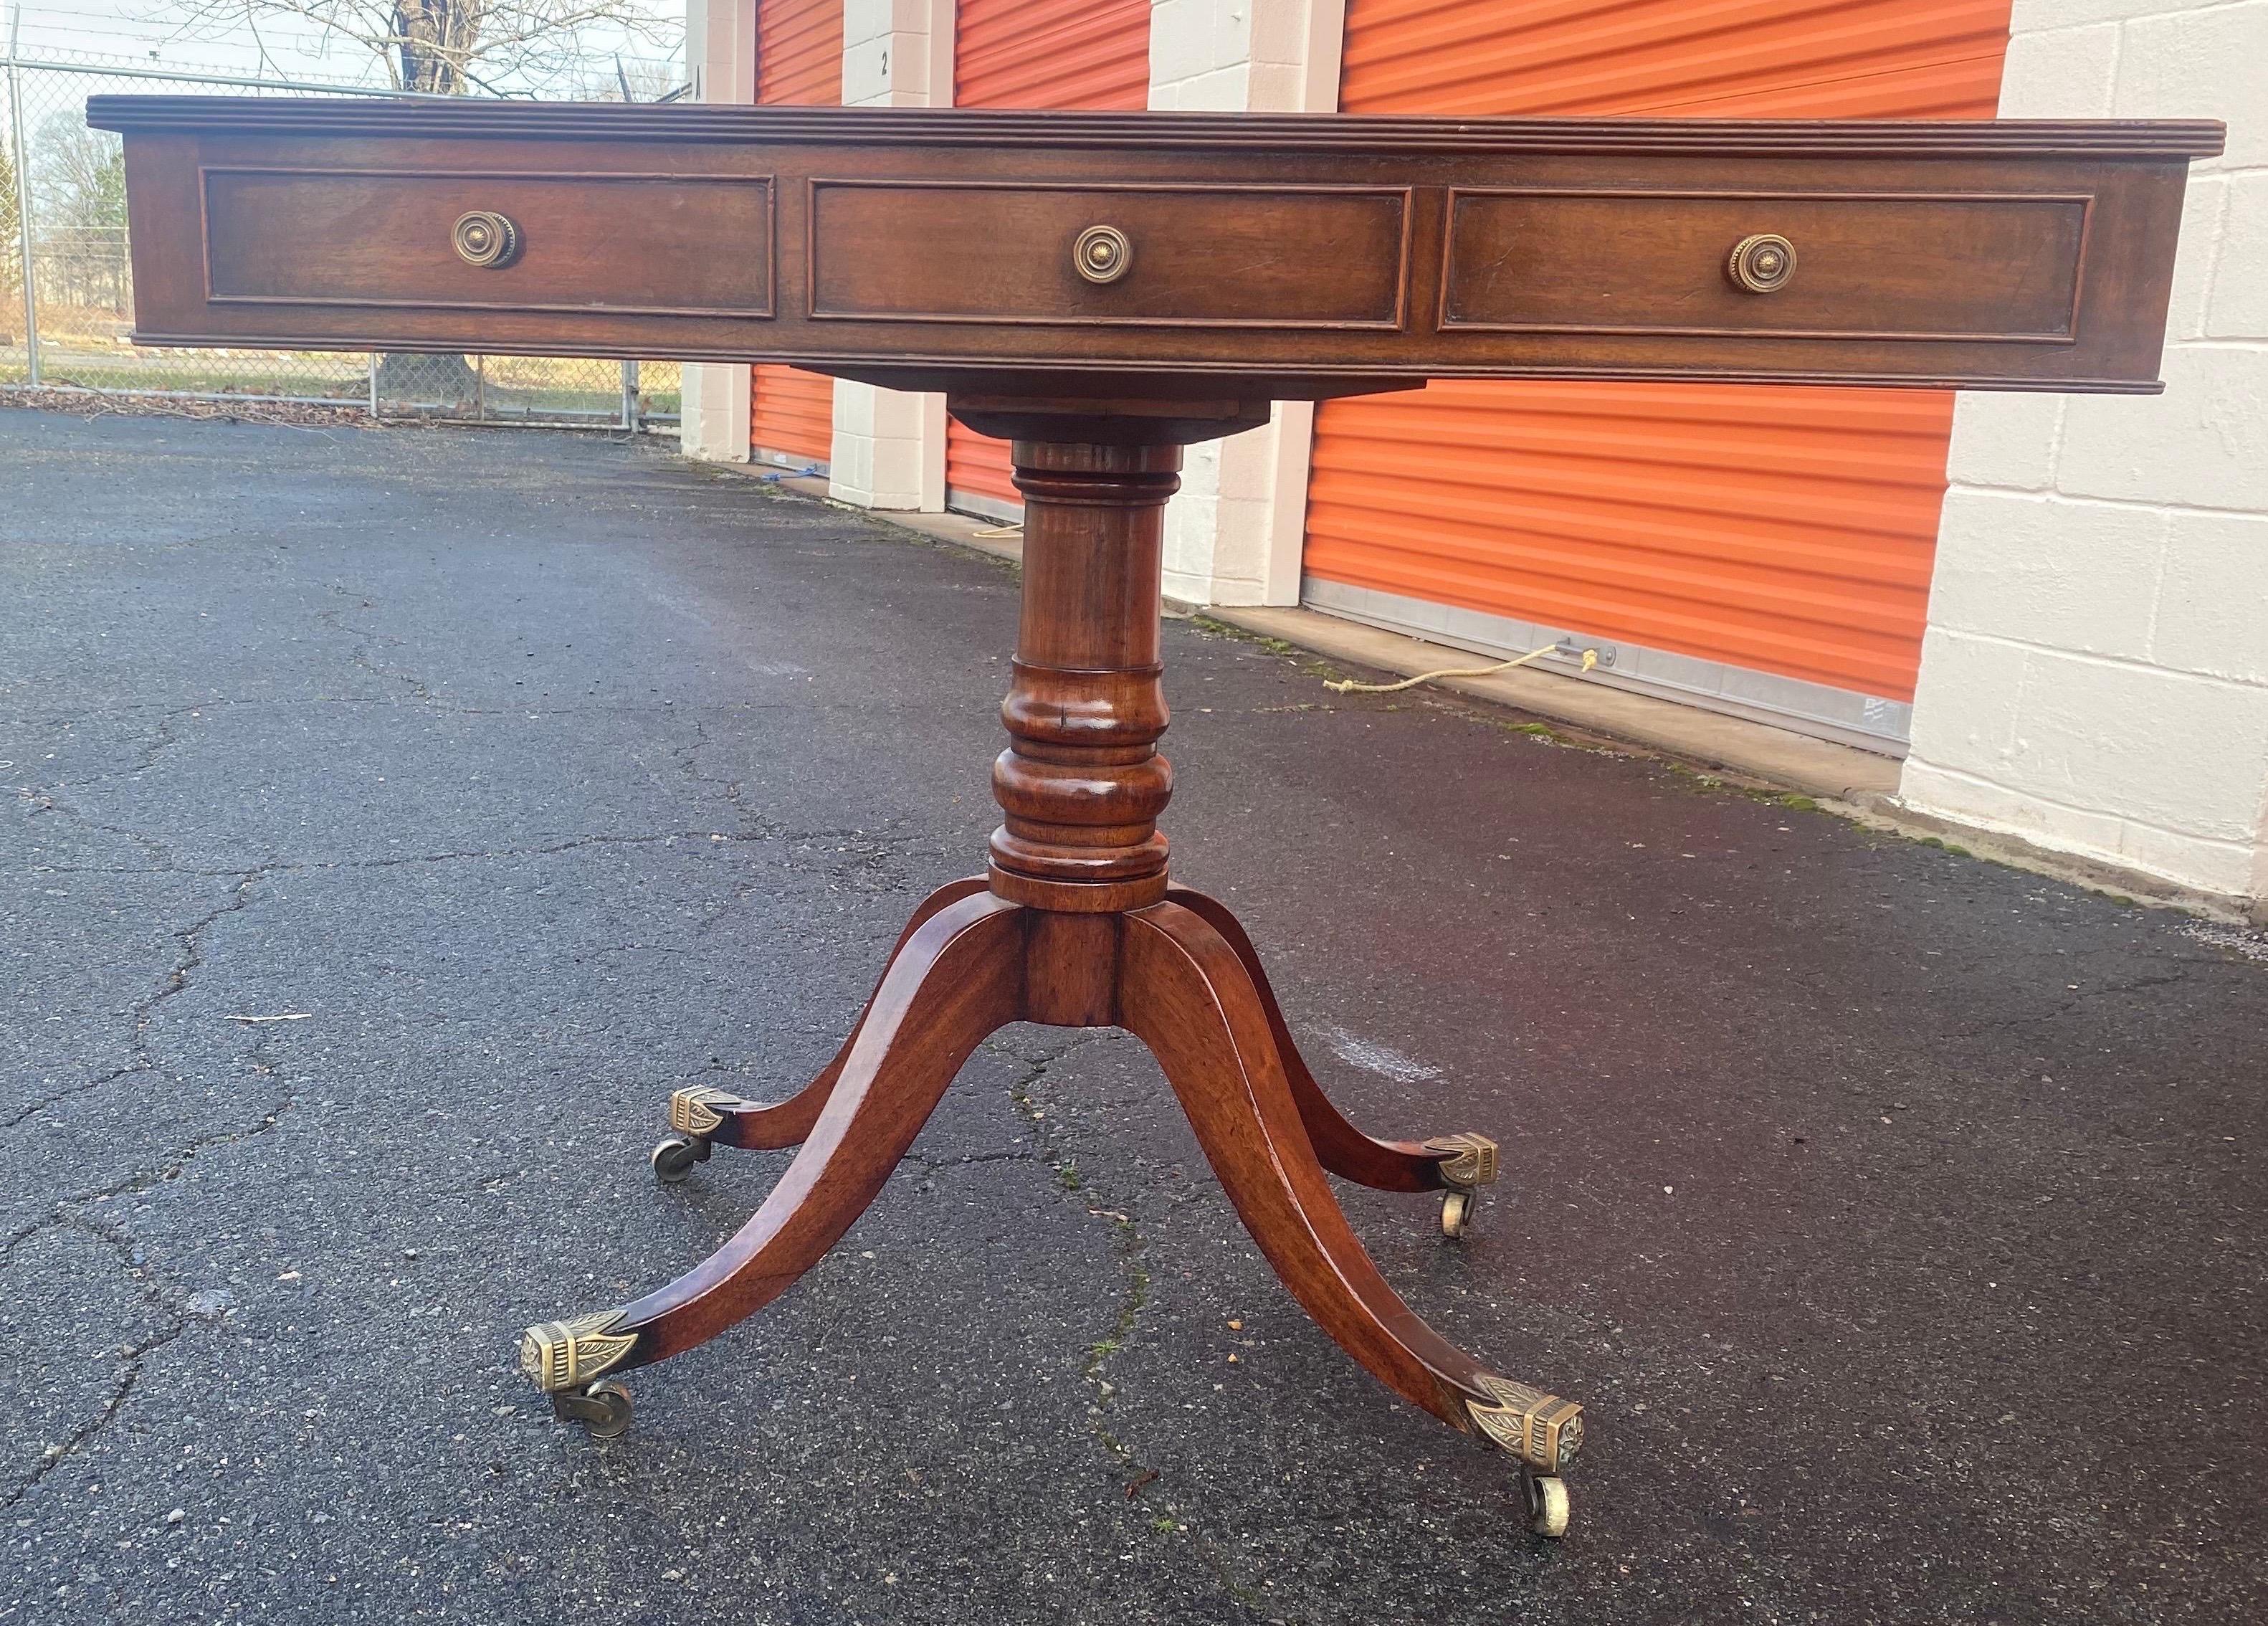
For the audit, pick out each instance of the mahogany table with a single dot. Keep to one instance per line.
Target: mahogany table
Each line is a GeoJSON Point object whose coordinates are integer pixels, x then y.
{"type": "Point", "coordinates": [1104, 290]}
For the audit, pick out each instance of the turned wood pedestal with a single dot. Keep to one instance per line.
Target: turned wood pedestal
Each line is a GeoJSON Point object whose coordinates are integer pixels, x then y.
{"type": "Point", "coordinates": [1076, 924]}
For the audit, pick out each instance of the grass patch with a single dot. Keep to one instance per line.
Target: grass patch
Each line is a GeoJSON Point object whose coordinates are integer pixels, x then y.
{"type": "Point", "coordinates": [1307, 660]}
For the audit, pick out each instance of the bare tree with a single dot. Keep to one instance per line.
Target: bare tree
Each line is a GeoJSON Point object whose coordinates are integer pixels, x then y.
{"type": "Point", "coordinates": [12, 257]}
{"type": "Point", "coordinates": [452, 47]}
{"type": "Point", "coordinates": [79, 181]}
{"type": "Point", "coordinates": [77, 186]}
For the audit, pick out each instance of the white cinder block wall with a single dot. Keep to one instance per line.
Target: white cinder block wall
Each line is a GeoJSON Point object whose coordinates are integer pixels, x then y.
{"type": "Point", "coordinates": [720, 60]}
{"type": "Point", "coordinates": [2096, 673]}
{"type": "Point", "coordinates": [1233, 534]}
{"type": "Point", "coordinates": [887, 451]}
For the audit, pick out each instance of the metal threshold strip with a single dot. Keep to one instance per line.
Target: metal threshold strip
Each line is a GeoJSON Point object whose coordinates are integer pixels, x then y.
{"type": "Point", "coordinates": [1868, 722]}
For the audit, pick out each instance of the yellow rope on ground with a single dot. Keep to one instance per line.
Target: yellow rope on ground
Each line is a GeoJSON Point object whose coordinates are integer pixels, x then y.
{"type": "Point", "coordinates": [1350, 687]}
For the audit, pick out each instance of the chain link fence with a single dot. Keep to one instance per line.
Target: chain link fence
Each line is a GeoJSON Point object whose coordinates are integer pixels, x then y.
{"type": "Point", "coordinates": [66, 288]}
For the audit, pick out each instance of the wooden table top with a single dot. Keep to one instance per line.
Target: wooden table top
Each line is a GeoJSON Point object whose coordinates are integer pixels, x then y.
{"type": "Point", "coordinates": [1085, 254]}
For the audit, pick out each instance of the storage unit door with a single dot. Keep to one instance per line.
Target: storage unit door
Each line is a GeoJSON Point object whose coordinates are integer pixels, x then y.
{"type": "Point", "coordinates": [1044, 54]}
{"type": "Point", "coordinates": [799, 64]}
{"type": "Point", "coordinates": [1762, 550]}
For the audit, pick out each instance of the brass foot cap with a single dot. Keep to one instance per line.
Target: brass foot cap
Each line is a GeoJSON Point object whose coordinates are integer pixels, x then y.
{"type": "Point", "coordinates": [1470, 1159]}
{"type": "Point", "coordinates": [568, 1355]}
{"type": "Point", "coordinates": [1542, 1430]}
{"type": "Point", "coordinates": [700, 1109]}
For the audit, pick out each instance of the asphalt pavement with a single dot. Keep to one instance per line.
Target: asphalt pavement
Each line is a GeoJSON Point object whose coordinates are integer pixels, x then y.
{"type": "Point", "coordinates": [399, 815]}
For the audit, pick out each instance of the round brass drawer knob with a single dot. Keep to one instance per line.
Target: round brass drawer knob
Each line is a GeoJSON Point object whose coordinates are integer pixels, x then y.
{"type": "Point", "coordinates": [1101, 254]}
{"type": "Point", "coordinates": [484, 238]}
{"type": "Point", "coordinates": [1762, 263]}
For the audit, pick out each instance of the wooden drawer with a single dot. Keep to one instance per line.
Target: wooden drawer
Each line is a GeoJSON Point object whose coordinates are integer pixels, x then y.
{"type": "Point", "coordinates": [627, 244]}
{"type": "Point", "coordinates": [1867, 265]}
{"type": "Point", "coordinates": [1194, 256]}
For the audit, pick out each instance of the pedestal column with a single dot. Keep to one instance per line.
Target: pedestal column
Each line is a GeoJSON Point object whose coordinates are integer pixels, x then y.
{"type": "Point", "coordinates": [1081, 782]}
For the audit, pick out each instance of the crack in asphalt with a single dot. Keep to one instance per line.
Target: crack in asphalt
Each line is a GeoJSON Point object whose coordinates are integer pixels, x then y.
{"type": "Point", "coordinates": [286, 702]}
{"type": "Point", "coordinates": [61, 1451]}
{"type": "Point", "coordinates": [305, 866]}
{"type": "Point", "coordinates": [689, 760]}
{"type": "Point", "coordinates": [162, 738]}
{"type": "Point", "coordinates": [181, 1313]}
{"type": "Point", "coordinates": [361, 654]}
{"type": "Point", "coordinates": [172, 1164]}
{"type": "Point", "coordinates": [50, 799]}
{"type": "Point", "coordinates": [2084, 996]}
{"type": "Point", "coordinates": [1131, 1247]}
{"type": "Point", "coordinates": [144, 1011]}
{"type": "Point", "coordinates": [191, 938]}
{"type": "Point", "coordinates": [82, 1087]}
{"type": "Point", "coordinates": [1132, 1250]}
{"type": "Point", "coordinates": [47, 801]}
{"type": "Point", "coordinates": [1017, 1155]}
{"type": "Point", "coordinates": [877, 861]}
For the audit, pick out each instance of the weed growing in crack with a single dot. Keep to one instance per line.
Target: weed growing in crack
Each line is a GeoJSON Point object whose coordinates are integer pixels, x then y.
{"type": "Point", "coordinates": [1136, 1274]}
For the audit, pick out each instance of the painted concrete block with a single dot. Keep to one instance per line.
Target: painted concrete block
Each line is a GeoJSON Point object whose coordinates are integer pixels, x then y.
{"type": "Point", "coordinates": [1230, 31]}
{"type": "Point", "coordinates": [2030, 16]}
{"type": "Point", "coordinates": [1217, 90]}
{"type": "Point", "coordinates": [1949, 794]}
{"type": "Point", "coordinates": [1246, 464]}
{"type": "Point", "coordinates": [2193, 860]}
{"type": "Point", "coordinates": [2237, 305]}
{"type": "Point", "coordinates": [2061, 73]}
{"type": "Point", "coordinates": [2182, 752]}
{"type": "Point", "coordinates": [2005, 439]}
{"type": "Point", "coordinates": [1277, 87]}
{"type": "Point", "coordinates": [2075, 576]}
{"type": "Point", "coordinates": [1280, 31]}
{"type": "Point", "coordinates": [1965, 704]}
{"type": "Point", "coordinates": [868, 19]}
{"type": "Point", "coordinates": [866, 73]}
{"type": "Point", "coordinates": [2201, 248]}
{"type": "Point", "coordinates": [1180, 41]}
{"type": "Point", "coordinates": [2213, 599]}
{"type": "Point", "coordinates": [2204, 442]}
{"type": "Point", "coordinates": [2201, 63]}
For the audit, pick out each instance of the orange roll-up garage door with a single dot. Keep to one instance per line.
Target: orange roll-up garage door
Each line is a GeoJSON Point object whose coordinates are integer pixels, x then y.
{"type": "Point", "coordinates": [799, 64]}
{"type": "Point", "coordinates": [1043, 53]}
{"type": "Point", "coordinates": [1733, 530]}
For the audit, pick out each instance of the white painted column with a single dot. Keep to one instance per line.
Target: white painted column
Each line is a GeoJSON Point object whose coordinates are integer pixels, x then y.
{"type": "Point", "coordinates": [2096, 673]}
{"type": "Point", "coordinates": [888, 449]}
{"type": "Point", "coordinates": [720, 60]}
{"type": "Point", "coordinates": [1233, 534]}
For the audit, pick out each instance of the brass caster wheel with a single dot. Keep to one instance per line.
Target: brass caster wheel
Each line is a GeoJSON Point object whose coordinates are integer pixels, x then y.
{"type": "Point", "coordinates": [604, 1409]}
{"type": "Point", "coordinates": [1457, 1204]}
{"type": "Point", "coordinates": [674, 1158]}
{"type": "Point", "coordinates": [1546, 1504]}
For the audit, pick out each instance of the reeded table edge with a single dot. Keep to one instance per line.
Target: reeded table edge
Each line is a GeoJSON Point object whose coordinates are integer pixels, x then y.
{"type": "Point", "coordinates": [1348, 133]}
